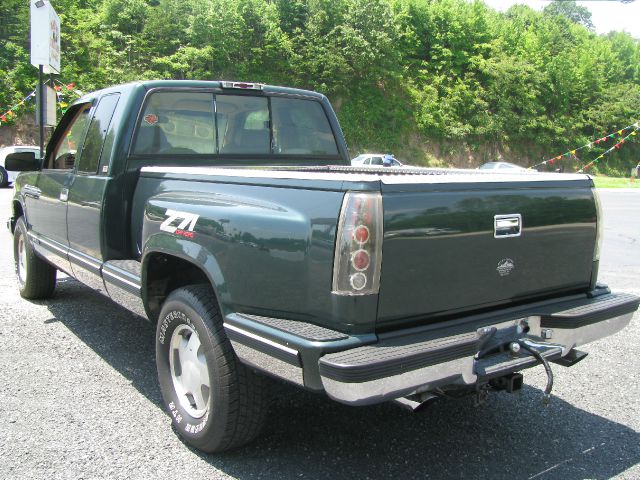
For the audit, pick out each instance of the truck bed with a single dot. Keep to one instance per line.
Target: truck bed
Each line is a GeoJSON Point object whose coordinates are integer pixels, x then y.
{"type": "Point", "coordinates": [441, 254]}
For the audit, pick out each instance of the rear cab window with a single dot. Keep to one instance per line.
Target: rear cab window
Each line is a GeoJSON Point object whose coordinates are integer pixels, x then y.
{"type": "Point", "coordinates": [206, 123]}
{"type": "Point", "coordinates": [177, 123]}
{"type": "Point", "coordinates": [301, 127]}
{"type": "Point", "coordinates": [243, 124]}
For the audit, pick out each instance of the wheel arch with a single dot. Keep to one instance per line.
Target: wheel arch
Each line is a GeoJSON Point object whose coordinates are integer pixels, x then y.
{"type": "Point", "coordinates": [17, 211]}
{"type": "Point", "coordinates": [165, 270]}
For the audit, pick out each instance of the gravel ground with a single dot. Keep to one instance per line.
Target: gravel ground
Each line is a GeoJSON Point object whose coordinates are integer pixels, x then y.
{"type": "Point", "coordinates": [81, 401]}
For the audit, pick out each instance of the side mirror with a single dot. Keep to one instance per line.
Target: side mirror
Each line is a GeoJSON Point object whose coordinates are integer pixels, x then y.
{"type": "Point", "coordinates": [22, 162]}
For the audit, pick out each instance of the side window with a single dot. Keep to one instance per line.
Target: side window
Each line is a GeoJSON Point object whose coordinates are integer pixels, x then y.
{"type": "Point", "coordinates": [64, 153]}
{"type": "Point", "coordinates": [377, 161]}
{"type": "Point", "coordinates": [243, 124]}
{"type": "Point", "coordinates": [177, 123]}
{"type": "Point", "coordinates": [94, 141]}
{"type": "Point", "coordinates": [301, 127]}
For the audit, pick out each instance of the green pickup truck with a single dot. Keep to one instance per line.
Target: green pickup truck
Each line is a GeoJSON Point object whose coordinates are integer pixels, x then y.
{"type": "Point", "coordinates": [228, 214]}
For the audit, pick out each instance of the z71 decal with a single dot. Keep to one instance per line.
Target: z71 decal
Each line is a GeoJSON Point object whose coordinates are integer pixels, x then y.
{"type": "Point", "coordinates": [180, 223]}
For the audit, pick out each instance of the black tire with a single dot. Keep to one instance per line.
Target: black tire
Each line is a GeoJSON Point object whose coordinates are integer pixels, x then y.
{"type": "Point", "coordinates": [36, 277]}
{"type": "Point", "coordinates": [235, 398]}
{"type": "Point", "coordinates": [4, 178]}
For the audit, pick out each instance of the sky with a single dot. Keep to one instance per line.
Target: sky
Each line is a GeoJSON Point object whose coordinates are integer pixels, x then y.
{"type": "Point", "coordinates": [606, 15]}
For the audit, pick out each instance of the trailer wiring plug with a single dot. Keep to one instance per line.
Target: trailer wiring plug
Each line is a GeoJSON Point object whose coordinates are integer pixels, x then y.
{"type": "Point", "coordinates": [546, 399]}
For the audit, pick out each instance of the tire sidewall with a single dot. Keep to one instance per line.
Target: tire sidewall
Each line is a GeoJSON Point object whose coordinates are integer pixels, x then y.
{"type": "Point", "coordinates": [4, 177]}
{"type": "Point", "coordinates": [21, 231]}
{"type": "Point", "coordinates": [176, 312]}
{"type": "Point", "coordinates": [39, 275]}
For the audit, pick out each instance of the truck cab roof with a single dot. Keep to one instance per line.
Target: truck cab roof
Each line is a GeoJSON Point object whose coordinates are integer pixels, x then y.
{"type": "Point", "coordinates": [221, 85]}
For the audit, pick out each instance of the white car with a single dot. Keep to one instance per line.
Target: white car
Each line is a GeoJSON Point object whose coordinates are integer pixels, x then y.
{"type": "Point", "coordinates": [8, 177]}
{"type": "Point", "coordinates": [504, 167]}
{"type": "Point", "coordinates": [373, 159]}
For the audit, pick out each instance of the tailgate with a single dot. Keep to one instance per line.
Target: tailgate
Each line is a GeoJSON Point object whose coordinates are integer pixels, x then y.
{"type": "Point", "coordinates": [458, 247]}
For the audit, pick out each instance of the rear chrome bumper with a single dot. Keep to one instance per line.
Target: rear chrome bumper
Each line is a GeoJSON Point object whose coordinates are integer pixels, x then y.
{"type": "Point", "coordinates": [372, 369]}
{"type": "Point", "coordinates": [358, 377]}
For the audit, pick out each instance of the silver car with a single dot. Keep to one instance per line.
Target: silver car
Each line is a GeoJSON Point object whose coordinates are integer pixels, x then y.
{"type": "Point", "coordinates": [504, 167]}
{"type": "Point", "coordinates": [373, 160]}
{"type": "Point", "coordinates": [7, 177]}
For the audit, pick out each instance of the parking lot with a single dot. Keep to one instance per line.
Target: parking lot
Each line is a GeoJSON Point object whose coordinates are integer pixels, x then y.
{"type": "Point", "coordinates": [81, 400]}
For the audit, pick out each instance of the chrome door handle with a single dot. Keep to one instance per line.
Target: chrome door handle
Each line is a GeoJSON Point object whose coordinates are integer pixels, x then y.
{"type": "Point", "coordinates": [64, 194]}
{"type": "Point", "coordinates": [31, 191]}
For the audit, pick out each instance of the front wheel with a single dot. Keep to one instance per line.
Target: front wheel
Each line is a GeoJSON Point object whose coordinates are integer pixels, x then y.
{"type": "Point", "coordinates": [4, 178]}
{"type": "Point", "coordinates": [36, 278]}
{"type": "Point", "coordinates": [215, 402]}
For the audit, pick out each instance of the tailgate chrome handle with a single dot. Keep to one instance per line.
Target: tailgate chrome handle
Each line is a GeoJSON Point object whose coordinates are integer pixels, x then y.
{"type": "Point", "coordinates": [505, 226]}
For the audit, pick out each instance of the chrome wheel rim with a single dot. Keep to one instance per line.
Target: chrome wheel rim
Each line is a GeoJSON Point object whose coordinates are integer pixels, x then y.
{"type": "Point", "coordinates": [189, 371]}
{"type": "Point", "coordinates": [22, 260]}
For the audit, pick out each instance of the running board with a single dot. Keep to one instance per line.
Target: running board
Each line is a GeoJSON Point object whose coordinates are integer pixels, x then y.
{"type": "Point", "coordinates": [122, 278]}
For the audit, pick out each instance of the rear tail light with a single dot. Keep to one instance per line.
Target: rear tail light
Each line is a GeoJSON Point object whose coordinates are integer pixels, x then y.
{"type": "Point", "coordinates": [356, 266]}
{"type": "Point", "coordinates": [360, 260]}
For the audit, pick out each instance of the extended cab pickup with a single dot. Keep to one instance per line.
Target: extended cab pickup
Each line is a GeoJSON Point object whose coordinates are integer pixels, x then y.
{"type": "Point", "coordinates": [228, 214]}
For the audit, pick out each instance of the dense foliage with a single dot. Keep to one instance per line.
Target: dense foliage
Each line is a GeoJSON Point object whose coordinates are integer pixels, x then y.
{"type": "Point", "coordinates": [431, 80]}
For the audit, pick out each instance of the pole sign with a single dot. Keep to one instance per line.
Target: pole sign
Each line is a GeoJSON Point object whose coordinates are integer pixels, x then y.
{"type": "Point", "coordinates": [45, 36]}
{"type": "Point", "coordinates": [48, 106]}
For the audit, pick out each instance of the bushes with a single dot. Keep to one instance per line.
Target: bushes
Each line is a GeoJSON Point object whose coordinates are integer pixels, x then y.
{"type": "Point", "coordinates": [402, 73]}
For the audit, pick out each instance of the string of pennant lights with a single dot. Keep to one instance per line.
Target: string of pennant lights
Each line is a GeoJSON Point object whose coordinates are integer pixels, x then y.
{"type": "Point", "coordinates": [590, 145]}
{"type": "Point", "coordinates": [61, 91]}
{"type": "Point", "coordinates": [11, 112]}
{"type": "Point", "coordinates": [615, 147]}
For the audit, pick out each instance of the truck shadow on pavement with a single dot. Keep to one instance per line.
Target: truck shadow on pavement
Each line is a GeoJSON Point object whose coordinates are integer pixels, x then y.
{"type": "Point", "coordinates": [310, 436]}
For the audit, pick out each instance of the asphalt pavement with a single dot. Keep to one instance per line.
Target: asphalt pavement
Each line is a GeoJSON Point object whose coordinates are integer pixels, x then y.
{"type": "Point", "coordinates": [80, 400]}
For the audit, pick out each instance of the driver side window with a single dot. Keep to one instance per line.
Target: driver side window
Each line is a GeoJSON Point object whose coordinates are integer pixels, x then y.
{"type": "Point", "coordinates": [64, 154]}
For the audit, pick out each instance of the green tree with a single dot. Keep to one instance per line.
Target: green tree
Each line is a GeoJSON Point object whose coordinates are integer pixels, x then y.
{"type": "Point", "coordinates": [569, 9]}
{"type": "Point", "coordinates": [419, 77]}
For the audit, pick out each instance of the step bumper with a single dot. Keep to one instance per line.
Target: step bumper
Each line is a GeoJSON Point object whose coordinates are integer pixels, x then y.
{"type": "Point", "coordinates": [417, 362]}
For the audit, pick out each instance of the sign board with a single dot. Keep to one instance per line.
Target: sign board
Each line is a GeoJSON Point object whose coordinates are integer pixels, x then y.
{"type": "Point", "coordinates": [45, 36]}
{"type": "Point", "coordinates": [49, 106]}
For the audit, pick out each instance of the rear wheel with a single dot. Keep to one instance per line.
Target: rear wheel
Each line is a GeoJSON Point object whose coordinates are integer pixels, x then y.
{"type": "Point", "coordinates": [215, 402]}
{"type": "Point", "coordinates": [36, 278]}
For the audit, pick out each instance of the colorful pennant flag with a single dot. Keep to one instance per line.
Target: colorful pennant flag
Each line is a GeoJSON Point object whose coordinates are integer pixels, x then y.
{"type": "Point", "coordinates": [11, 112]}
{"type": "Point", "coordinates": [61, 89]}
{"type": "Point", "coordinates": [615, 147]}
{"type": "Point", "coordinates": [589, 145]}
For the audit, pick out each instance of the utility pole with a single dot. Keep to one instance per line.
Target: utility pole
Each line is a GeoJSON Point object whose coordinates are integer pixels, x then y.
{"type": "Point", "coordinates": [41, 108]}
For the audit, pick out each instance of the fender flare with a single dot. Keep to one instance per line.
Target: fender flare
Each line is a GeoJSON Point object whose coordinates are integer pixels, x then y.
{"type": "Point", "coordinates": [190, 252]}
{"type": "Point", "coordinates": [15, 202]}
